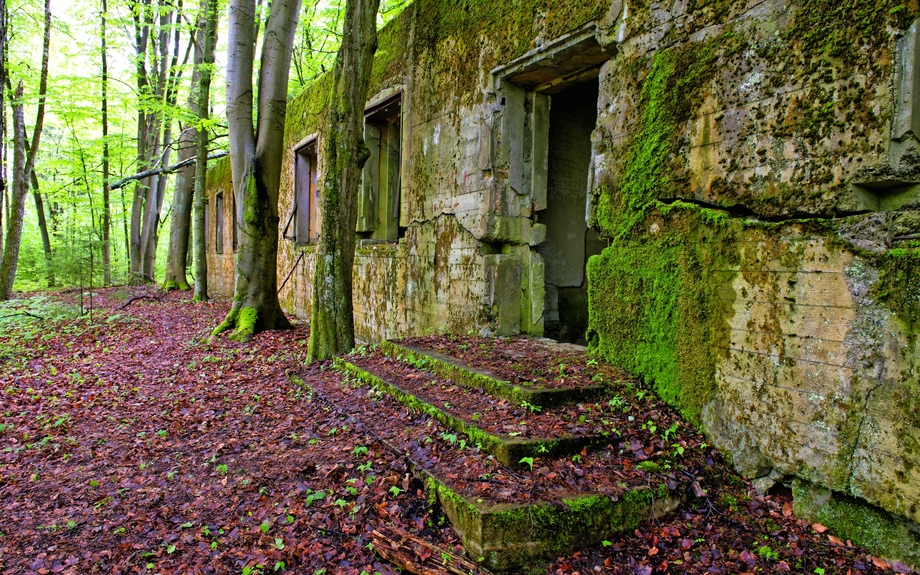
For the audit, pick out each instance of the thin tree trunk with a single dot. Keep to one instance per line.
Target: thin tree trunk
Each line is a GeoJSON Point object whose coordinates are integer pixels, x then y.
{"type": "Point", "coordinates": [3, 80]}
{"type": "Point", "coordinates": [43, 229]}
{"type": "Point", "coordinates": [204, 98]}
{"type": "Point", "coordinates": [106, 190]}
{"type": "Point", "coordinates": [180, 224]}
{"type": "Point", "coordinates": [142, 23]}
{"type": "Point", "coordinates": [256, 161]}
{"type": "Point", "coordinates": [23, 163]}
{"type": "Point", "coordinates": [332, 325]}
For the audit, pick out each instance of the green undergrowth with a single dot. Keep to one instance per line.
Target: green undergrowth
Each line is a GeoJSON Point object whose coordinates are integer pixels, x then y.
{"type": "Point", "coordinates": [25, 319]}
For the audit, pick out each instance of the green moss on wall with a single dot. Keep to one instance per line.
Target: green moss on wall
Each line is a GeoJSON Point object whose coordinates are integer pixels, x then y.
{"type": "Point", "coordinates": [673, 85]}
{"type": "Point", "coordinates": [898, 285]}
{"type": "Point", "coordinates": [218, 174]}
{"type": "Point", "coordinates": [655, 302]}
{"type": "Point", "coordinates": [839, 29]}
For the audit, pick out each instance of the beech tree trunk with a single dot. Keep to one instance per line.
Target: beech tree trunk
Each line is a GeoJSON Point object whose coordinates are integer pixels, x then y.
{"type": "Point", "coordinates": [332, 326]}
{"type": "Point", "coordinates": [255, 160]}
{"type": "Point", "coordinates": [201, 200]}
{"type": "Point", "coordinates": [23, 163]}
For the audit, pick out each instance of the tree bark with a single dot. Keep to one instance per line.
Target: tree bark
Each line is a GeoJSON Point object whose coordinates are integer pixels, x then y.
{"type": "Point", "coordinates": [256, 161]}
{"type": "Point", "coordinates": [201, 200]}
{"type": "Point", "coordinates": [332, 327]}
{"type": "Point", "coordinates": [23, 163]}
{"type": "Point", "coordinates": [106, 189]}
{"type": "Point", "coordinates": [181, 219]}
{"type": "Point", "coordinates": [142, 23]}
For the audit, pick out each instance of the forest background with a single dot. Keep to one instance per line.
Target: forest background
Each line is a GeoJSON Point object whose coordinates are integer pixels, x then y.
{"type": "Point", "coordinates": [148, 89]}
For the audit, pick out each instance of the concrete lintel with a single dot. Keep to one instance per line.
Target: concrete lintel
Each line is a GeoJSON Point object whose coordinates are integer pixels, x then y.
{"type": "Point", "coordinates": [568, 55]}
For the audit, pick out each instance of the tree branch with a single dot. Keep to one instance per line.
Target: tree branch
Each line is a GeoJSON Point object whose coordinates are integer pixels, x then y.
{"type": "Point", "coordinates": [167, 170]}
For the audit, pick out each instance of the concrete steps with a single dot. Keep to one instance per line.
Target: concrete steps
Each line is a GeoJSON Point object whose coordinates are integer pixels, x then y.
{"type": "Point", "coordinates": [504, 535]}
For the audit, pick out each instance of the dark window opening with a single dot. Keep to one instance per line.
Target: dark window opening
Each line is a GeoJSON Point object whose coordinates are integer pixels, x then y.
{"type": "Point", "coordinates": [378, 204]}
{"type": "Point", "coordinates": [306, 215]}
{"type": "Point", "coordinates": [569, 242]}
{"type": "Point", "coordinates": [219, 223]}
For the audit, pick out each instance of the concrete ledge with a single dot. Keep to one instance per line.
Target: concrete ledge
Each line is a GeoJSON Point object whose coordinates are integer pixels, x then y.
{"type": "Point", "coordinates": [507, 450]}
{"type": "Point", "coordinates": [875, 529]}
{"type": "Point", "coordinates": [472, 378]}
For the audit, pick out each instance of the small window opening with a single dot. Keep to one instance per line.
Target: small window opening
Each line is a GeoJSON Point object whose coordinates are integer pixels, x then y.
{"type": "Point", "coordinates": [378, 205]}
{"type": "Point", "coordinates": [219, 223]}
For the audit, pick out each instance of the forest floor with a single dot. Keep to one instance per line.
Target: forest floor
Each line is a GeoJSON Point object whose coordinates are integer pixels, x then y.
{"type": "Point", "coordinates": [134, 443]}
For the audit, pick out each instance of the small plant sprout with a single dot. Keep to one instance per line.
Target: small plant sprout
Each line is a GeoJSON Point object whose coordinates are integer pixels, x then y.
{"type": "Point", "coordinates": [576, 458]}
{"type": "Point", "coordinates": [359, 450]}
{"type": "Point", "coordinates": [265, 526]}
{"type": "Point", "coordinates": [395, 491]}
{"type": "Point", "coordinates": [278, 543]}
{"type": "Point", "coordinates": [670, 432]}
{"type": "Point", "coordinates": [528, 461]}
{"type": "Point", "coordinates": [319, 495]}
{"type": "Point", "coordinates": [222, 469]}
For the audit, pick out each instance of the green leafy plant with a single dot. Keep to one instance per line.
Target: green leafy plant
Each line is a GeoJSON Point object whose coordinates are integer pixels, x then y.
{"type": "Point", "coordinates": [395, 491]}
{"type": "Point", "coordinates": [528, 461]}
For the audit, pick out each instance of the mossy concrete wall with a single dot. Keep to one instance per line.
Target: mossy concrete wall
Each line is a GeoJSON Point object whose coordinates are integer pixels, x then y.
{"type": "Point", "coordinates": [751, 269]}
{"type": "Point", "coordinates": [754, 171]}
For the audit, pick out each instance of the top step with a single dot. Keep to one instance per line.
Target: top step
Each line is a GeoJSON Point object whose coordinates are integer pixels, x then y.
{"type": "Point", "coordinates": [543, 397]}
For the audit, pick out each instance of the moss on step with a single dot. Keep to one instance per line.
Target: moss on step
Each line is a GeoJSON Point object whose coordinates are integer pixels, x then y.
{"type": "Point", "coordinates": [475, 379]}
{"type": "Point", "coordinates": [509, 451]}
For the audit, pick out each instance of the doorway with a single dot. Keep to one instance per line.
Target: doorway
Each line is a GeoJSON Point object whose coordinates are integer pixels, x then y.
{"type": "Point", "coordinates": [569, 242]}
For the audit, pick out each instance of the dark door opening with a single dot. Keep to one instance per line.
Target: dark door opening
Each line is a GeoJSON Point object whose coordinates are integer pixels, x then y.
{"type": "Point", "coordinates": [569, 242]}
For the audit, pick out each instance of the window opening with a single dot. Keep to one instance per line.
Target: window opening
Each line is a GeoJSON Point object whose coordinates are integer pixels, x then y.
{"type": "Point", "coordinates": [378, 204]}
{"type": "Point", "coordinates": [219, 223]}
{"type": "Point", "coordinates": [306, 214]}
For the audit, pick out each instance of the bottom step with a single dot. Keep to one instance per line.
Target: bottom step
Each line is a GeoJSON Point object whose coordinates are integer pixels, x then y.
{"type": "Point", "coordinates": [504, 536]}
